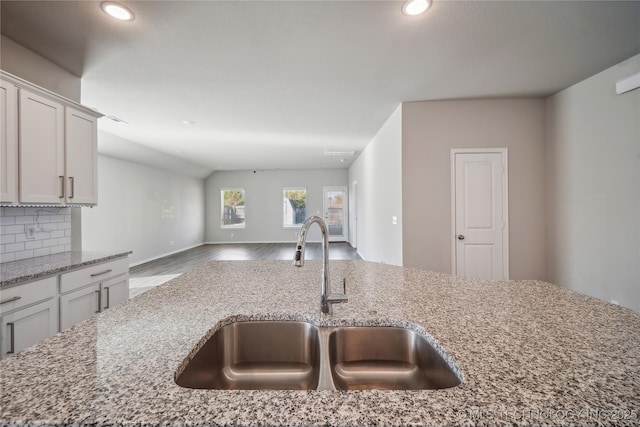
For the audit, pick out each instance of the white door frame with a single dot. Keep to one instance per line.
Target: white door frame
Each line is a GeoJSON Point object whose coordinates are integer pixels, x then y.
{"type": "Point", "coordinates": [353, 214]}
{"type": "Point", "coordinates": [505, 203]}
{"type": "Point", "coordinates": [345, 210]}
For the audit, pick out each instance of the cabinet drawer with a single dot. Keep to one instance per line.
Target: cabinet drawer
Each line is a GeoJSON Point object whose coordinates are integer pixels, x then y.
{"type": "Point", "coordinates": [24, 294]}
{"type": "Point", "coordinates": [94, 273]}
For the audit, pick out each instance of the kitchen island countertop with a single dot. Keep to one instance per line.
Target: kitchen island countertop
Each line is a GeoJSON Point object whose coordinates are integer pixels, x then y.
{"type": "Point", "coordinates": [15, 272]}
{"type": "Point", "coordinates": [530, 352]}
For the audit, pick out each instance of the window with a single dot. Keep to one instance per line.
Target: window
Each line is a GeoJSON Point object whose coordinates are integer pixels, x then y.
{"type": "Point", "coordinates": [294, 206]}
{"type": "Point", "coordinates": [232, 202]}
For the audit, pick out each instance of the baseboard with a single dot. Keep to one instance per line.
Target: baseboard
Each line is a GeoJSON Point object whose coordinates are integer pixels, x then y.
{"type": "Point", "coordinates": [164, 255]}
{"type": "Point", "coordinates": [293, 242]}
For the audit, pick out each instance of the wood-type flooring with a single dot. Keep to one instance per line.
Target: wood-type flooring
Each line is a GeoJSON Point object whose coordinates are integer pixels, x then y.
{"type": "Point", "coordinates": [148, 275]}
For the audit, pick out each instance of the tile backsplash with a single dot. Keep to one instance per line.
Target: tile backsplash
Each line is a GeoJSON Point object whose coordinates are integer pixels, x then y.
{"type": "Point", "coordinates": [28, 232]}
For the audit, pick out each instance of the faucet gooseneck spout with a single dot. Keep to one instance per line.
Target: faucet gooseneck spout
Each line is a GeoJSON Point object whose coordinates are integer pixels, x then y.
{"type": "Point", "coordinates": [326, 298]}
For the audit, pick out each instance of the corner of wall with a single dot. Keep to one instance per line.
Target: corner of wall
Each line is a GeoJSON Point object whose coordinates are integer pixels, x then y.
{"type": "Point", "coordinates": [378, 172]}
{"type": "Point", "coordinates": [429, 130]}
{"type": "Point", "coordinates": [593, 187]}
{"type": "Point", "coordinates": [28, 65]}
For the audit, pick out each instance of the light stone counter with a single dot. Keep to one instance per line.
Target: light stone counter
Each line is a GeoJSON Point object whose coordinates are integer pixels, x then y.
{"type": "Point", "coordinates": [531, 353]}
{"type": "Point", "coordinates": [15, 272]}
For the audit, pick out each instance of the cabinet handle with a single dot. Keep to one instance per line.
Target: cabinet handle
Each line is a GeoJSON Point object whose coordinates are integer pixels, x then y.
{"type": "Point", "coordinates": [107, 289]}
{"type": "Point", "coordinates": [12, 343]}
{"type": "Point", "coordinates": [101, 273]}
{"type": "Point", "coordinates": [73, 190]}
{"type": "Point", "coordinates": [61, 187]}
{"type": "Point", "coordinates": [99, 300]}
{"type": "Point", "coordinates": [10, 300]}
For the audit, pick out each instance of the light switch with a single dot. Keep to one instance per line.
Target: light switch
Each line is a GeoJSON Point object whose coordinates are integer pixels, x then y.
{"type": "Point", "coordinates": [394, 220]}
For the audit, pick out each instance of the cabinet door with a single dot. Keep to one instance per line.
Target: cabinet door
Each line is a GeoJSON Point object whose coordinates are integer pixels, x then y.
{"type": "Point", "coordinates": [79, 305]}
{"type": "Point", "coordinates": [41, 149]}
{"type": "Point", "coordinates": [28, 326]}
{"type": "Point", "coordinates": [8, 143]}
{"type": "Point", "coordinates": [81, 157]}
{"type": "Point", "coordinates": [115, 291]}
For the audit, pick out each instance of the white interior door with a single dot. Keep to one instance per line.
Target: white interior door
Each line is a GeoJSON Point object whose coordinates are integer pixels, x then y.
{"type": "Point", "coordinates": [336, 213]}
{"type": "Point", "coordinates": [479, 213]}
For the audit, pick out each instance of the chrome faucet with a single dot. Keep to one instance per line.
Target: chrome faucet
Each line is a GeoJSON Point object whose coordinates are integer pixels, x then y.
{"type": "Point", "coordinates": [326, 297]}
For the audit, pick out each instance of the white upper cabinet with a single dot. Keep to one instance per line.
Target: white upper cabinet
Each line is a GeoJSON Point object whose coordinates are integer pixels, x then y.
{"type": "Point", "coordinates": [81, 157]}
{"type": "Point", "coordinates": [49, 147]}
{"type": "Point", "coordinates": [42, 178]}
{"type": "Point", "coordinates": [9, 143]}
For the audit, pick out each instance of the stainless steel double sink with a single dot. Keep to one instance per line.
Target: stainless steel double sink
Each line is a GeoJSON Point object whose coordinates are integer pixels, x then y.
{"type": "Point", "coordinates": [296, 355]}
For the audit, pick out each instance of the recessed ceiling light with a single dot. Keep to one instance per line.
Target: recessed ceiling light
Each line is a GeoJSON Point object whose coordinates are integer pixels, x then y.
{"type": "Point", "coordinates": [188, 122]}
{"type": "Point", "coordinates": [415, 7]}
{"type": "Point", "coordinates": [117, 11]}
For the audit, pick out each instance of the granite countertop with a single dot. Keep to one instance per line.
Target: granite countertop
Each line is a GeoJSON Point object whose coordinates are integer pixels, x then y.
{"type": "Point", "coordinates": [531, 353]}
{"type": "Point", "coordinates": [15, 272]}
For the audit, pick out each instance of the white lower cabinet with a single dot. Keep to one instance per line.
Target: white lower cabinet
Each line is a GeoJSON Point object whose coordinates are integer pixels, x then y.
{"type": "Point", "coordinates": [93, 289]}
{"type": "Point", "coordinates": [115, 291]}
{"type": "Point", "coordinates": [31, 312]}
{"type": "Point", "coordinates": [79, 305]}
{"type": "Point", "coordinates": [28, 315]}
{"type": "Point", "coordinates": [28, 326]}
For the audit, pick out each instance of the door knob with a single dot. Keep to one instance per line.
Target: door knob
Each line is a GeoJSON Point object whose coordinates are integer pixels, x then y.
{"type": "Point", "coordinates": [460, 237]}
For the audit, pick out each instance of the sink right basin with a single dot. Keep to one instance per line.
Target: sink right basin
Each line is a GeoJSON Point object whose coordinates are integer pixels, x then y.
{"type": "Point", "coordinates": [366, 358]}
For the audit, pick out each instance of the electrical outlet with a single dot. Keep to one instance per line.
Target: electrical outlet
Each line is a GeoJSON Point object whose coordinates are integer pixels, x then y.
{"type": "Point", "coordinates": [171, 242]}
{"type": "Point", "coordinates": [614, 302]}
{"type": "Point", "coordinates": [31, 232]}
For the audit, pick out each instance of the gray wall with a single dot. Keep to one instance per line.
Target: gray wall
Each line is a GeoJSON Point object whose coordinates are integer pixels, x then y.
{"type": "Point", "coordinates": [593, 187]}
{"type": "Point", "coordinates": [429, 131]}
{"type": "Point", "coordinates": [22, 62]}
{"type": "Point", "coordinates": [263, 202]}
{"type": "Point", "coordinates": [378, 173]}
{"type": "Point", "coordinates": [143, 209]}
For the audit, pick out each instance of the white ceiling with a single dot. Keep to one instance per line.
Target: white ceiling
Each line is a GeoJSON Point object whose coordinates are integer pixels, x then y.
{"type": "Point", "coordinates": [273, 84]}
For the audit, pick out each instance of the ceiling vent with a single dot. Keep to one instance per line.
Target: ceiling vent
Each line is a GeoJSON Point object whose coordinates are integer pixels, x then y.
{"type": "Point", "coordinates": [117, 119]}
{"type": "Point", "coordinates": [628, 84]}
{"type": "Point", "coordinates": [332, 153]}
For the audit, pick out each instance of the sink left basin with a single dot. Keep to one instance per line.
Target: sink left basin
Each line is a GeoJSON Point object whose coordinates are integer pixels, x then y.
{"type": "Point", "coordinates": [257, 356]}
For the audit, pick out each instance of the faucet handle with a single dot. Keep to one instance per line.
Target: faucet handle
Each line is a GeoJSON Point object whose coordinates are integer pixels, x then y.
{"type": "Point", "coordinates": [336, 298]}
